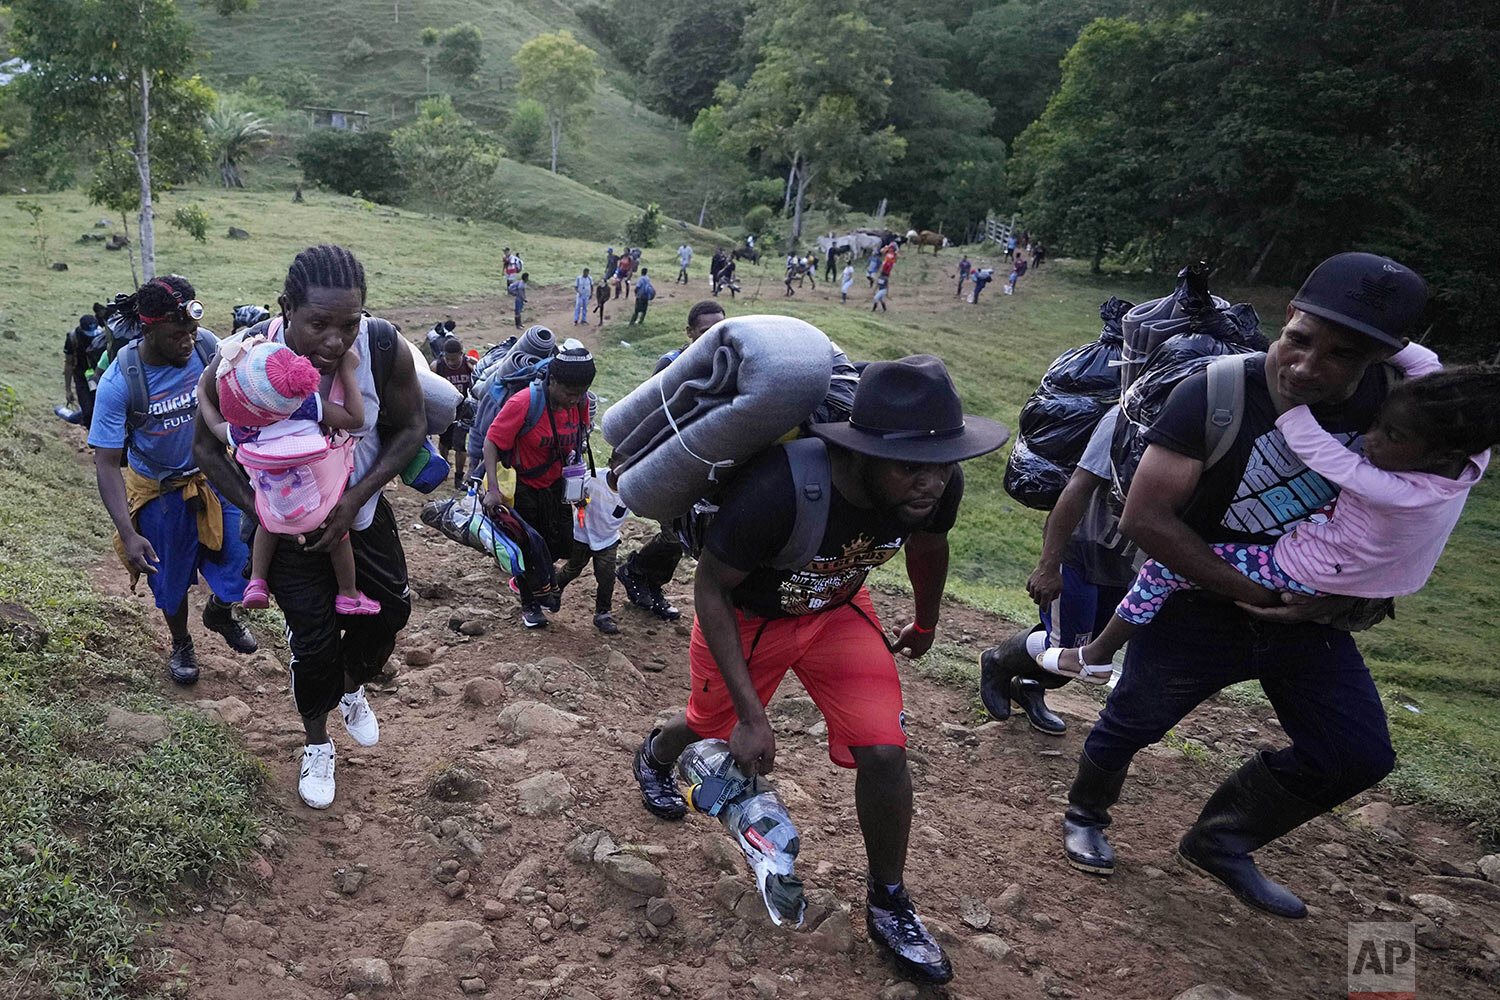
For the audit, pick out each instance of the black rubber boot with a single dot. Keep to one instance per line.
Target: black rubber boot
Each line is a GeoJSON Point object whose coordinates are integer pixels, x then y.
{"type": "Point", "coordinates": [997, 665]}
{"type": "Point", "coordinates": [1032, 697]}
{"type": "Point", "coordinates": [1093, 792]}
{"type": "Point", "coordinates": [1249, 810]}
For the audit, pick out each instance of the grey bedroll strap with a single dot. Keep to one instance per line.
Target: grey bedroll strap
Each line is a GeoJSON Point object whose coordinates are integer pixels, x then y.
{"type": "Point", "coordinates": [812, 478]}
{"type": "Point", "coordinates": [1225, 411]}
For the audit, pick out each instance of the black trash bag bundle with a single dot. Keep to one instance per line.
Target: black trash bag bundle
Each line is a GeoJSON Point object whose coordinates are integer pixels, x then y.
{"type": "Point", "coordinates": [1189, 309]}
{"type": "Point", "coordinates": [1209, 328]}
{"type": "Point", "coordinates": [1058, 419]}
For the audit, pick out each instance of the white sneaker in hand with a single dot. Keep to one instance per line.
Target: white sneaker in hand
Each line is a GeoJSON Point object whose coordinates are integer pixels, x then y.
{"type": "Point", "coordinates": [316, 784]}
{"type": "Point", "coordinates": [359, 718]}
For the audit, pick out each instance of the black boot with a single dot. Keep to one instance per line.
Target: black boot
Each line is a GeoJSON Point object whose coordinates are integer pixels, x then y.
{"type": "Point", "coordinates": [219, 617]}
{"type": "Point", "coordinates": [1249, 810]}
{"type": "Point", "coordinates": [997, 665]}
{"type": "Point", "coordinates": [1093, 792]}
{"type": "Point", "coordinates": [1031, 696]}
{"type": "Point", "coordinates": [182, 665]}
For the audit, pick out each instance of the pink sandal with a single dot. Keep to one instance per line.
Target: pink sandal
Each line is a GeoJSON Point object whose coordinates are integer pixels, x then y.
{"type": "Point", "coordinates": [359, 604]}
{"type": "Point", "coordinates": [257, 595]}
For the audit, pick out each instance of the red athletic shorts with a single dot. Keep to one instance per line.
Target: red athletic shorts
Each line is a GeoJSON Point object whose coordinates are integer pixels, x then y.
{"type": "Point", "coordinates": [841, 659]}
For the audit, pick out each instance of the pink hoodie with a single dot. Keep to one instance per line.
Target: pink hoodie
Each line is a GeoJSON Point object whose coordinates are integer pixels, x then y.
{"type": "Point", "coordinates": [1387, 528]}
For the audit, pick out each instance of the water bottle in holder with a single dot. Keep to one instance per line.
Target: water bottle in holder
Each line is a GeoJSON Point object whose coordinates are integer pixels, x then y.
{"type": "Point", "coordinates": [755, 816]}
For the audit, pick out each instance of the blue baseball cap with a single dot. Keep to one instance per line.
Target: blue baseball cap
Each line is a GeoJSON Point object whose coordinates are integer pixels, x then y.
{"type": "Point", "coordinates": [1367, 293]}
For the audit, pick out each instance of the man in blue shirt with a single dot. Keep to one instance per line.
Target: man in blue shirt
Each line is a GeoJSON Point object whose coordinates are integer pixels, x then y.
{"type": "Point", "coordinates": [644, 293]}
{"type": "Point", "coordinates": [171, 523]}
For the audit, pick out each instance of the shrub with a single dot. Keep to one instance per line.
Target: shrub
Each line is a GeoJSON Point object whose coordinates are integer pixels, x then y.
{"type": "Point", "coordinates": [193, 220]}
{"type": "Point", "coordinates": [357, 51]}
{"type": "Point", "coordinates": [461, 51]}
{"type": "Point", "coordinates": [757, 221]}
{"type": "Point", "coordinates": [527, 130]}
{"type": "Point", "coordinates": [352, 161]}
{"type": "Point", "coordinates": [643, 230]}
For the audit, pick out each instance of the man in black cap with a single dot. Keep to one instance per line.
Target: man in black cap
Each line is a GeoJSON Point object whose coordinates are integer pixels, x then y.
{"type": "Point", "coordinates": [1352, 312]}
{"type": "Point", "coordinates": [892, 479]}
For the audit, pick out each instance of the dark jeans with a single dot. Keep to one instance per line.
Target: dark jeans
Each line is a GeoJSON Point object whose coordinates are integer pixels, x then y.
{"type": "Point", "coordinates": [641, 302]}
{"type": "Point", "coordinates": [604, 572]}
{"type": "Point", "coordinates": [547, 513]}
{"type": "Point", "coordinates": [1078, 614]}
{"type": "Point", "coordinates": [325, 645]}
{"type": "Point", "coordinates": [657, 560]}
{"type": "Point", "coordinates": [1314, 676]}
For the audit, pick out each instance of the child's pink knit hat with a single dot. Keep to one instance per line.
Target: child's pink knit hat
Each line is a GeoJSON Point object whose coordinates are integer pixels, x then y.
{"type": "Point", "coordinates": [262, 382]}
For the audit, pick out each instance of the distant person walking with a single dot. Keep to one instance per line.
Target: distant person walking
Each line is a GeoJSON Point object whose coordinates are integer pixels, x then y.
{"type": "Point", "coordinates": [964, 267]}
{"type": "Point", "coordinates": [512, 263]}
{"type": "Point", "coordinates": [872, 268]}
{"type": "Point", "coordinates": [623, 271]}
{"type": "Point", "coordinates": [848, 281]}
{"type": "Point", "coordinates": [458, 369]}
{"type": "Point", "coordinates": [982, 277]}
{"type": "Point", "coordinates": [684, 258]}
{"type": "Point", "coordinates": [583, 288]}
{"type": "Point", "coordinates": [517, 291]}
{"type": "Point", "coordinates": [83, 365]}
{"type": "Point", "coordinates": [644, 293]}
{"type": "Point", "coordinates": [601, 296]}
{"type": "Point", "coordinates": [882, 285]}
{"type": "Point", "coordinates": [611, 264]}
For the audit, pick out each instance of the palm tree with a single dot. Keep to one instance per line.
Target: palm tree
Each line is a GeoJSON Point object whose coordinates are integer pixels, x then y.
{"type": "Point", "coordinates": [232, 135]}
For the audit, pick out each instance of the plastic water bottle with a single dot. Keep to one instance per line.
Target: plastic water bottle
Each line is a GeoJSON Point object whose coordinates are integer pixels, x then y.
{"type": "Point", "coordinates": [755, 817]}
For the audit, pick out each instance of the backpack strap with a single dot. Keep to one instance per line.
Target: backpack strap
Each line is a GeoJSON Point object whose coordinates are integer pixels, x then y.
{"type": "Point", "coordinates": [812, 481]}
{"type": "Point", "coordinates": [382, 336]}
{"type": "Point", "coordinates": [138, 394]}
{"type": "Point", "coordinates": [536, 408]}
{"type": "Point", "coordinates": [1225, 410]}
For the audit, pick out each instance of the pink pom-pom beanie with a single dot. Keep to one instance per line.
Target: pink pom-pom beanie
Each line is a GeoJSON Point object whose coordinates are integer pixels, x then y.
{"type": "Point", "coordinates": [265, 383]}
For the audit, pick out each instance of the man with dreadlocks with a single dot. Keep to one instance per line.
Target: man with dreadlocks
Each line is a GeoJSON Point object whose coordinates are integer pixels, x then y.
{"type": "Point", "coordinates": [1353, 312]}
{"type": "Point", "coordinates": [171, 524]}
{"type": "Point", "coordinates": [322, 317]}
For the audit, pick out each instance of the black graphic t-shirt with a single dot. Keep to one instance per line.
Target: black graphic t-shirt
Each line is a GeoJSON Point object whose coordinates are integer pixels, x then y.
{"type": "Point", "coordinates": [1260, 489]}
{"type": "Point", "coordinates": [755, 522]}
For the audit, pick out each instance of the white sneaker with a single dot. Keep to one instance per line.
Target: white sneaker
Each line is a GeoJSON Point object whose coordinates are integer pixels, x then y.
{"type": "Point", "coordinates": [359, 718]}
{"type": "Point", "coordinates": [316, 784]}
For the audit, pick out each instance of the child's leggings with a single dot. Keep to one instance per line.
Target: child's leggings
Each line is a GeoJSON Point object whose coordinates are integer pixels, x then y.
{"type": "Point", "coordinates": [1155, 582]}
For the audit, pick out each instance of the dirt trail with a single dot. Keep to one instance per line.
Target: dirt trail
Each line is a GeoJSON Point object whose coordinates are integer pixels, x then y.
{"type": "Point", "coordinates": [334, 890]}
{"type": "Point", "coordinates": [355, 881]}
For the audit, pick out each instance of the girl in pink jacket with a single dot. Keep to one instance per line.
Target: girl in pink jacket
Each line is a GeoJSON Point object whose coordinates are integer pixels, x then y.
{"type": "Point", "coordinates": [1396, 507]}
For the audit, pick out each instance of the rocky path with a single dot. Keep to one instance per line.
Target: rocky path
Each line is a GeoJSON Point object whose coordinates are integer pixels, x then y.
{"type": "Point", "coordinates": [492, 844]}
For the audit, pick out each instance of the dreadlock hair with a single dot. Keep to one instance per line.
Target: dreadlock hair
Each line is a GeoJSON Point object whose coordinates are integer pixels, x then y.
{"type": "Point", "coordinates": [164, 295]}
{"type": "Point", "coordinates": [1456, 409]}
{"type": "Point", "coordinates": [704, 308]}
{"type": "Point", "coordinates": [323, 266]}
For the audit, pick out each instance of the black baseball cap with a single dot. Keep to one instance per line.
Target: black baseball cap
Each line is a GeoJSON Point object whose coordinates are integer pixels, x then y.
{"type": "Point", "coordinates": [1367, 293]}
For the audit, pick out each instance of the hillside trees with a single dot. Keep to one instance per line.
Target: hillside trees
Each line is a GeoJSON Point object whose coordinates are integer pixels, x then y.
{"type": "Point", "coordinates": [112, 74]}
{"type": "Point", "coordinates": [461, 51]}
{"type": "Point", "coordinates": [449, 162]}
{"type": "Point", "coordinates": [1266, 139]}
{"type": "Point", "coordinates": [559, 73]}
{"type": "Point", "coordinates": [817, 99]}
{"type": "Point", "coordinates": [697, 47]}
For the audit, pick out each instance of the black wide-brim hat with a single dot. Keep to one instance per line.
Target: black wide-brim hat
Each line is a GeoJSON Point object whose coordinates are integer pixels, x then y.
{"type": "Point", "coordinates": [909, 411]}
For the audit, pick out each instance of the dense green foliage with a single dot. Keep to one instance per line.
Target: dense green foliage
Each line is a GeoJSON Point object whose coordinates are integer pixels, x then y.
{"type": "Point", "coordinates": [349, 162]}
{"type": "Point", "coordinates": [560, 74]}
{"type": "Point", "coordinates": [449, 162]}
{"type": "Point", "coordinates": [1265, 138]}
{"type": "Point", "coordinates": [461, 50]}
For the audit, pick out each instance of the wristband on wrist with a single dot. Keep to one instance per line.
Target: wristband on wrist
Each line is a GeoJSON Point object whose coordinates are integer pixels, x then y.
{"type": "Point", "coordinates": [924, 631]}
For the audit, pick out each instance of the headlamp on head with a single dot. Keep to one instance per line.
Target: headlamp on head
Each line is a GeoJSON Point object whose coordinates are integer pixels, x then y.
{"type": "Point", "coordinates": [193, 309]}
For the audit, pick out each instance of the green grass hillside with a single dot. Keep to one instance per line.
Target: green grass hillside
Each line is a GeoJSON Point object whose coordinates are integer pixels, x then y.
{"type": "Point", "coordinates": [631, 153]}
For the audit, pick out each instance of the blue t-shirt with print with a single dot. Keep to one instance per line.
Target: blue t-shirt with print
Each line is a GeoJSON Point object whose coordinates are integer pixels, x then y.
{"type": "Point", "coordinates": [162, 446]}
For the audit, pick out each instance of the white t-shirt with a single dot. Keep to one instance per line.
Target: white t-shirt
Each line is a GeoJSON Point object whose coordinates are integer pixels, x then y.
{"type": "Point", "coordinates": [602, 517]}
